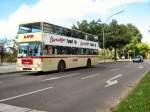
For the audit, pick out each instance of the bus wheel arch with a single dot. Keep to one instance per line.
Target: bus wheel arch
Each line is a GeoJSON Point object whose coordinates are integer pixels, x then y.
{"type": "Point", "coordinates": [89, 64]}
{"type": "Point", "coordinates": [61, 66]}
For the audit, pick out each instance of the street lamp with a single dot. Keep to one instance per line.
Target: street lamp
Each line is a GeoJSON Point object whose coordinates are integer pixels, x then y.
{"type": "Point", "coordinates": [103, 29]}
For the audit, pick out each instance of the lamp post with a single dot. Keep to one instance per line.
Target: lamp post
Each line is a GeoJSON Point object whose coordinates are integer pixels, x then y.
{"type": "Point", "coordinates": [103, 29]}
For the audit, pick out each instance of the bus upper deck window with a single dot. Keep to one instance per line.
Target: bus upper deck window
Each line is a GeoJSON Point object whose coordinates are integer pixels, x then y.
{"type": "Point", "coordinates": [29, 28]}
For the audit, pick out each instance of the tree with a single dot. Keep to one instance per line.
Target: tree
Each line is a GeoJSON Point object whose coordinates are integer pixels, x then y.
{"type": "Point", "coordinates": [131, 48]}
{"type": "Point", "coordinates": [9, 50]}
{"type": "Point", "coordinates": [13, 49]}
{"type": "Point", "coordinates": [82, 26]}
{"type": "Point", "coordinates": [118, 37]}
{"type": "Point", "coordinates": [3, 42]}
{"type": "Point", "coordinates": [134, 32]}
{"type": "Point", "coordinates": [143, 49]}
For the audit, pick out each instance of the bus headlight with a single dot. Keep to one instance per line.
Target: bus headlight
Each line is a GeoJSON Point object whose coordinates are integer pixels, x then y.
{"type": "Point", "coordinates": [18, 64]}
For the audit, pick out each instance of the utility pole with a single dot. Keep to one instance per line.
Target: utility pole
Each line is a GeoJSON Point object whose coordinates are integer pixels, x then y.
{"type": "Point", "coordinates": [103, 29]}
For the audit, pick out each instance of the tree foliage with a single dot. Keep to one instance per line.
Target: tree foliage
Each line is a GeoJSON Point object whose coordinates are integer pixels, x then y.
{"type": "Point", "coordinates": [143, 49]}
{"type": "Point", "coordinates": [134, 32]}
{"type": "Point", "coordinates": [9, 51]}
{"type": "Point", "coordinates": [118, 37]}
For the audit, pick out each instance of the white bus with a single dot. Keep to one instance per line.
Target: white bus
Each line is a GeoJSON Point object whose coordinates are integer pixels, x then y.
{"type": "Point", "coordinates": [48, 47]}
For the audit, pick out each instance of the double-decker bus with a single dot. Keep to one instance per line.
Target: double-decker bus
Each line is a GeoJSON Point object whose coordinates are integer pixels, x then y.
{"type": "Point", "coordinates": [47, 47]}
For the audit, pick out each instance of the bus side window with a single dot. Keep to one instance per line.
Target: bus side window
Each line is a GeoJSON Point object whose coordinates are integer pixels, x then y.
{"type": "Point", "coordinates": [50, 50]}
{"type": "Point", "coordinates": [81, 51]}
{"type": "Point", "coordinates": [59, 30]}
{"type": "Point", "coordinates": [45, 50]}
{"type": "Point", "coordinates": [95, 52]}
{"type": "Point", "coordinates": [55, 51]}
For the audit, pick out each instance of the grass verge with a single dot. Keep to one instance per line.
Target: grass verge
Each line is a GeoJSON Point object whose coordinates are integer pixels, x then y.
{"type": "Point", "coordinates": [139, 98]}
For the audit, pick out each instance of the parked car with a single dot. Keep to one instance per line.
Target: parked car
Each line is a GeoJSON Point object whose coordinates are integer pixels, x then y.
{"type": "Point", "coordinates": [138, 58]}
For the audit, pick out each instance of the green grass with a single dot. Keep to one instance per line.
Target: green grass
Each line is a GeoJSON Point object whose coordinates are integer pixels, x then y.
{"type": "Point", "coordinates": [139, 98]}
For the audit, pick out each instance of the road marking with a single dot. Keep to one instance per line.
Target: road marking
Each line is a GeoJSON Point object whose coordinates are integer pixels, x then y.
{"type": "Point", "coordinates": [54, 78]}
{"type": "Point", "coordinates": [11, 108]}
{"type": "Point", "coordinates": [112, 81]}
{"type": "Point", "coordinates": [21, 95]}
{"type": "Point", "coordinates": [140, 66]}
{"type": "Point", "coordinates": [89, 76]}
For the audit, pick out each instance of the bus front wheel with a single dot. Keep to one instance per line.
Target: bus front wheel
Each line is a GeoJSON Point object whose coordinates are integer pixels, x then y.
{"type": "Point", "coordinates": [61, 66]}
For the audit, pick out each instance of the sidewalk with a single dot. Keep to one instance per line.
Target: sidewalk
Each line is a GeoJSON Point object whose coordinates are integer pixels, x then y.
{"type": "Point", "coordinates": [109, 60]}
{"type": "Point", "coordinates": [105, 61]}
{"type": "Point", "coordinates": [124, 60]}
{"type": "Point", "coordinates": [7, 68]}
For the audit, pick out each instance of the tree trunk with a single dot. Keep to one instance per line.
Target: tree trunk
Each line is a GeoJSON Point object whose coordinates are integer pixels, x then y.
{"type": "Point", "coordinates": [115, 53]}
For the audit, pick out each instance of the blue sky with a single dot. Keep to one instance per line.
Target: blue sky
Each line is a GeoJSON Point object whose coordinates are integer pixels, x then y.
{"type": "Point", "coordinates": [13, 12]}
{"type": "Point", "coordinates": [137, 14]}
{"type": "Point", "coordinates": [10, 6]}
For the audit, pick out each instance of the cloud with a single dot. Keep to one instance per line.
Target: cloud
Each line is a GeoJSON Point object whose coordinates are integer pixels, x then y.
{"type": "Point", "coordinates": [61, 12]}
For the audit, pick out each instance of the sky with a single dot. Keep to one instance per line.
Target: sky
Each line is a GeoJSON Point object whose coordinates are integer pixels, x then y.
{"type": "Point", "coordinates": [68, 12]}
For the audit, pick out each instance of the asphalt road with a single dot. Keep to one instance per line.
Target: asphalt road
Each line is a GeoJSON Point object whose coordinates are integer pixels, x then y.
{"type": "Point", "coordinates": [94, 89]}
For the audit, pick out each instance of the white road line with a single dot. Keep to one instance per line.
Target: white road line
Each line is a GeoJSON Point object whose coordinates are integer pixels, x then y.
{"type": "Point", "coordinates": [140, 67]}
{"type": "Point", "coordinates": [112, 81]}
{"type": "Point", "coordinates": [18, 96]}
{"type": "Point", "coordinates": [11, 108]}
{"type": "Point", "coordinates": [89, 76]}
{"type": "Point", "coordinates": [54, 78]}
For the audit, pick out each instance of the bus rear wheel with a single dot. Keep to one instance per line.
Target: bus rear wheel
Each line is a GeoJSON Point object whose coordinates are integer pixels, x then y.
{"type": "Point", "coordinates": [89, 63]}
{"type": "Point", "coordinates": [61, 66]}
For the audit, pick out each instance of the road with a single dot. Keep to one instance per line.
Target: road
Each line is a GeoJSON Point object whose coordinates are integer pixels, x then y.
{"type": "Point", "coordinates": [94, 89]}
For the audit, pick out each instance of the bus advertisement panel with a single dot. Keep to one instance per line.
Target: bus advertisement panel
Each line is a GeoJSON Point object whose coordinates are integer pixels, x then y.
{"type": "Point", "coordinates": [58, 40]}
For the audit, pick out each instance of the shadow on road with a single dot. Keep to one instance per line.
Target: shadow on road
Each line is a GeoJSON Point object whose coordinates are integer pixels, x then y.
{"type": "Point", "coordinates": [55, 72]}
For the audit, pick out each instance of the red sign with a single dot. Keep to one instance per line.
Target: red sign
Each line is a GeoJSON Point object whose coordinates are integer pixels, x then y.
{"type": "Point", "coordinates": [27, 61]}
{"type": "Point", "coordinates": [28, 36]}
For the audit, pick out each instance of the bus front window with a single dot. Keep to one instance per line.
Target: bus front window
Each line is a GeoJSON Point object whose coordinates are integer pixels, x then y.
{"type": "Point", "coordinates": [30, 28]}
{"type": "Point", "coordinates": [29, 49]}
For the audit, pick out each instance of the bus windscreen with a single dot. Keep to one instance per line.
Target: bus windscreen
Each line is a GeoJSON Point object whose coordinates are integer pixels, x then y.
{"type": "Point", "coordinates": [30, 28]}
{"type": "Point", "coordinates": [29, 49]}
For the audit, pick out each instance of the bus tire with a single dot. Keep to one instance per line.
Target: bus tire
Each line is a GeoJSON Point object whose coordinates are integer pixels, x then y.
{"type": "Point", "coordinates": [61, 66]}
{"type": "Point", "coordinates": [88, 63]}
